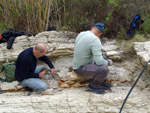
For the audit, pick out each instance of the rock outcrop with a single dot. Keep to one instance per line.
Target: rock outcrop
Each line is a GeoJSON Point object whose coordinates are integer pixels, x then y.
{"type": "Point", "coordinates": [58, 43]}
{"type": "Point", "coordinates": [143, 51]}
{"type": "Point", "coordinates": [77, 100]}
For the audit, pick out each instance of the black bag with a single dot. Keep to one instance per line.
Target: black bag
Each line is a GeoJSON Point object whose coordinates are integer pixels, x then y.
{"type": "Point", "coordinates": [9, 71]}
{"type": "Point", "coordinates": [10, 35]}
{"type": "Point", "coordinates": [136, 22]}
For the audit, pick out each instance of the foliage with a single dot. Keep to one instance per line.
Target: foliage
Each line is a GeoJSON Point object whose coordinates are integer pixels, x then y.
{"type": "Point", "coordinates": [113, 2]}
{"type": "Point", "coordinates": [35, 16]}
{"type": "Point", "coordinates": [127, 45]}
{"type": "Point", "coordinates": [28, 15]}
{"type": "Point", "coordinates": [146, 25]}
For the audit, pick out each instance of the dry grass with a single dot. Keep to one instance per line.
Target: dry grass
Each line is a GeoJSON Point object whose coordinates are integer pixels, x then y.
{"type": "Point", "coordinates": [127, 45]}
{"type": "Point", "coordinates": [29, 15]}
{"type": "Point", "coordinates": [35, 16]}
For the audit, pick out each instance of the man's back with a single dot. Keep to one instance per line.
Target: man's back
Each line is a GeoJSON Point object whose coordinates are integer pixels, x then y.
{"type": "Point", "coordinates": [25, 64]}
{"type": "Point", "coordinates": [87, 45]}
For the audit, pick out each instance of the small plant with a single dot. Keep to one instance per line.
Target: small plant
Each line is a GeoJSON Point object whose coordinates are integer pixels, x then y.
{"type": "Point", "coordinates": [113, 2]}
{"type": "Point", "coordinates": [3, 26]}
{"type": "Point", "coordinates": [146, 25]}
{"type": "Point", "coordinates": [109, 16]}
{"type": "Point", "coordinates": [127, 45]}
{"type": "Point", "coordinates": [131, 75]}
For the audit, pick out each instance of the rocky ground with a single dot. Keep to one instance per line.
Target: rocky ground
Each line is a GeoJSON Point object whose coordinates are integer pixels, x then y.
{"type": "Point", "coordinates": [78, 100]}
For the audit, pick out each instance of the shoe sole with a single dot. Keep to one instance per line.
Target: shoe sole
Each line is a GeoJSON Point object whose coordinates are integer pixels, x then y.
{"type": "Point", "coordinates": [95, 91]}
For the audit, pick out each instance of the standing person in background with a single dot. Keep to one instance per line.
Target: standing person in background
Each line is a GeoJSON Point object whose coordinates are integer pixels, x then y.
{"type": "Point", "coordinates": [27, 73]}
{"type": "Point", "coordinates": [88, 60]}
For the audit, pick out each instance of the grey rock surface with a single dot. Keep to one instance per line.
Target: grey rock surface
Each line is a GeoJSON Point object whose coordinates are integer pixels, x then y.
{"type": "Point", "coordinates": [78, 100]}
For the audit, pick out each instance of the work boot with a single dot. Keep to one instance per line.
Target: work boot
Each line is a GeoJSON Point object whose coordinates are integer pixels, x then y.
{"type": "Point", "coordinates": [1, 91]}
{"type": "Point", "coordinates": [106, 85]}
{"type": "Point", "coordinates": [28, 90]}
{"type": "Point", "coordinates": [96, 90]}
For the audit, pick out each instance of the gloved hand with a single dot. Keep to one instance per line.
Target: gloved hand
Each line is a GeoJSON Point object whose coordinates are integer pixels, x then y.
{"type": "Point", "coordinates": [110, 62]}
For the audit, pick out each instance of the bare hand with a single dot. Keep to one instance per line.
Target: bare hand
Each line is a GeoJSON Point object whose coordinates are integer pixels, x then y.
{"type": "Point", "coordinates": [53, 71]}
{"type": "Point", "coordinates": [110, 62]}
{"type": "Point", "coordinates": [41, 74]}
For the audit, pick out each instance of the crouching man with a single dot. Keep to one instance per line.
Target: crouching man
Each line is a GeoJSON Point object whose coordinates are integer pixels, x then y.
{"type": "Point", "coordinates": [88, 60]}
{"type": "Point", "coordinates": [27, 73]}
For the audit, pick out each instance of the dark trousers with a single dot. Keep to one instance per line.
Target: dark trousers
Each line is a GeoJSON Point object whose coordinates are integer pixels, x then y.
{"type": "Point", "coordinates": [96, 74]}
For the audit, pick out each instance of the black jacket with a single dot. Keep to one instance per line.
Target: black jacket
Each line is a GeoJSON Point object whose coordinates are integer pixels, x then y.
{"type": "Point", "coordinates": [10, 35]}
{"type": "Point", "coordinates": [26, 64]}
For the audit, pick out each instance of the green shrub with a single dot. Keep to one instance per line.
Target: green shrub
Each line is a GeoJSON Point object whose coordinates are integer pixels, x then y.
{"type": "Point", "coordinates": [127, 45]}
{"type": "Point", "coordinates": [35, 16]}
{"type": "Point", "coordinates": [29, 15]}
{"type": "Point", "coordinates": [146, 24]}
{"type": "Point", "coordinates": [3, 26]}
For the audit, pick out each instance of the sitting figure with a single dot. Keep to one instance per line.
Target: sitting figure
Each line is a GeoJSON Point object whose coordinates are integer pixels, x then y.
{"type": "Point", "coordinates": [27, 73]}
{"type": "Point", "coordinates": [88, 60]}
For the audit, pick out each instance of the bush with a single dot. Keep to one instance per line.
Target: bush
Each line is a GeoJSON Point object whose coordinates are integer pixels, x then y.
{"type": "Point", "coordinates": [146, 25]}
{"type": "Point", "coordinates": [30, 15]}
{"type": "Point", "coordinates": [35, 16]}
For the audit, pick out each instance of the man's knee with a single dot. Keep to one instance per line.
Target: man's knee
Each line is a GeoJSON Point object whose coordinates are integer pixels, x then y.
{"type": "Point", "coordinates": [42, 67]}
{"type": "Point", "coordinates": [39, 69]}
{"type": "Point", "coordinates": [42, 87]}
{"type": "Point", "coordinates": [103, 69]}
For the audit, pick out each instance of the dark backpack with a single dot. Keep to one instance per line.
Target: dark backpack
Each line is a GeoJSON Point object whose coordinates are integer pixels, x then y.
{"type": "Point", "coordinates": [136, 22]}
{"type": "Point", "coordinates": [9, 71]}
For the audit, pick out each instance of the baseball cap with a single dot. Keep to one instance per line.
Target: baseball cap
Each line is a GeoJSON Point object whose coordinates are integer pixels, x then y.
{"type": "Point", "coordinates": [100, 26]}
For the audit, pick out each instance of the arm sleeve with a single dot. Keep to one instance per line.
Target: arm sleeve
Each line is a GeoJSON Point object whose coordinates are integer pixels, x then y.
{"type": "Point", "coordinates": [10, 42]}
{"type": "Point", "coordinates": [25, 71]}
{"type": "Point", "coordinates": [97, 54]}
{"type": "Point", "coordinates": [47, 61]}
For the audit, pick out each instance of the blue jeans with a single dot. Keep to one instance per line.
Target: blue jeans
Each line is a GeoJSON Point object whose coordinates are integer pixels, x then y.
{"type": "Point", "coordinates": [35, 83]}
